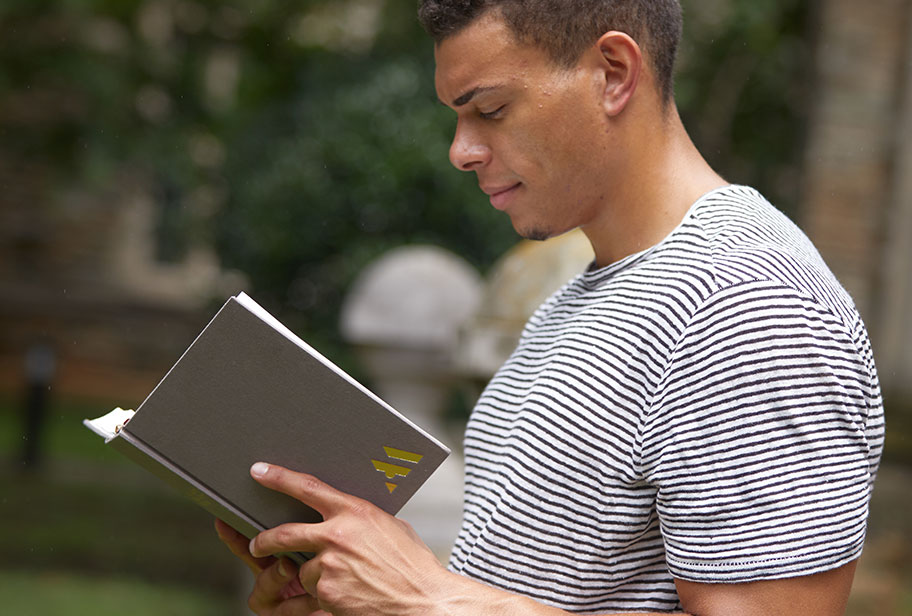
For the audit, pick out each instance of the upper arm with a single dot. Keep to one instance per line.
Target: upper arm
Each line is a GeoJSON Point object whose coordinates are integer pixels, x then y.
{"type": "Point", "coordinates": [762, 440]}
{"type": "Point", "coordinates": [820, 594]}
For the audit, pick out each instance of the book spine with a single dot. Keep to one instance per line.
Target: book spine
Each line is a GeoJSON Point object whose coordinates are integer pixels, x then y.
{"type": "Point", "coordinates": [187, 485]}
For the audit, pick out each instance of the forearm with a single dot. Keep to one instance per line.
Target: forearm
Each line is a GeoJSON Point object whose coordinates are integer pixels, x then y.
{"type": "Point", "coordinates": [456, 595]}
{"type": "Point", "coordinates": [366, 561]}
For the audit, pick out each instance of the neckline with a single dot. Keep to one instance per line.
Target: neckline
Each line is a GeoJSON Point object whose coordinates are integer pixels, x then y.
{"type": "Point", "coordinates": [594, 276]}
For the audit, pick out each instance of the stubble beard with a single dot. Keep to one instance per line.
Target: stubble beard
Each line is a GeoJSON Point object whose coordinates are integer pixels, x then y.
{"type": "Point", "coordinates": [536, 235]}
{"type": "Point", "coordinates": [535, 230]}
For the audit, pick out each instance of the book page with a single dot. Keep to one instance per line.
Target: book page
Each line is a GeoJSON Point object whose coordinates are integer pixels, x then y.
{"type": "Point", "coordinates": [110, 424]}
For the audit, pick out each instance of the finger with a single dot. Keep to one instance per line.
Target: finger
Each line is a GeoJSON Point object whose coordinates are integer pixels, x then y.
{"type": "Point", "coordinates": [274, 585]}
{"type": "Point", "coordinates": [285, 538]}
{"type": "Point", "coordinates": [300, 606]}
{"type": "Point", "coordinates": [304, 605]}
{"type": "Point", "coordinates": [309, 575]}
{"type": "Point", "coordinates": [325, 499]}
{"type": "Point", "coordinates": [294, 587]}
{"type": "Point", "coordinates": [239, 546]}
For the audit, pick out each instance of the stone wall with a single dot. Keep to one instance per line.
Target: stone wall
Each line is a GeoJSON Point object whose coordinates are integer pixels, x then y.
{"type": "Point", "coordinates": [79, 274]}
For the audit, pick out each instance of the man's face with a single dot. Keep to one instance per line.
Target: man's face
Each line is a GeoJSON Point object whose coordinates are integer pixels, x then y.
{"type": "Point", "coordinates": [529, 130]}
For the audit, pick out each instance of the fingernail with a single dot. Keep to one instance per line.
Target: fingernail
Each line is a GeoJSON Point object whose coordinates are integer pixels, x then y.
{"type": "Point", "coordinates": [259, 469]}
{"type": "Point", "coordinates": [250, 547]}
{"type": "Point", "coordinates": [282, 571]}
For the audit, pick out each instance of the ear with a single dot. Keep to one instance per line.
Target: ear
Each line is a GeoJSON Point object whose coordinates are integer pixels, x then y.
{"type": "Point", "coordinates": [621, 63]}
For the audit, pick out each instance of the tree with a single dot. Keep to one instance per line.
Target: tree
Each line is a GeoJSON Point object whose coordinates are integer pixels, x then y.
{"type": "Point", "coordinates": [304, 139]}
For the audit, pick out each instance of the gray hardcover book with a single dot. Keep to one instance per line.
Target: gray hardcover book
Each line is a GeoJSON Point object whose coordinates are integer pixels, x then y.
{"type": "Point", "coordinates": [249, 390]}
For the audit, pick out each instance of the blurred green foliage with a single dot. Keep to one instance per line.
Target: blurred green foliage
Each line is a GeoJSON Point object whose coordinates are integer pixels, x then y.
{"type": "Point", "coordinates": [744, 88]}
{"type": "Point", "coordinates": [86, 508]}
{"type": "Point", "coordinates": [50, 594]}
{"type": "Point", "coordinates": [303, 139]}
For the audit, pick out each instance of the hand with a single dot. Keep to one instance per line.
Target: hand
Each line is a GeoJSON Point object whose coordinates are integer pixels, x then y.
{"type": "Point", "coordinates": [277, 584]}
{"type": "Point", "coordinates": [366, 561]}
{"type": "Point", "coordinates": [239, 546]}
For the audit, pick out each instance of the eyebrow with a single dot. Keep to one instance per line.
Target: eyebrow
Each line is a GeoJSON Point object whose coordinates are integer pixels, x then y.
{"type": "Point", "coordinates": [459, 101]}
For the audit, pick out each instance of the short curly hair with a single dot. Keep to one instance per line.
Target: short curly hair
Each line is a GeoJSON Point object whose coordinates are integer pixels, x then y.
{"type": "Point", "coordinates": [565, 28]}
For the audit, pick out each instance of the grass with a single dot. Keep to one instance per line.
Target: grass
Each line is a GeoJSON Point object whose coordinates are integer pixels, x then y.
{"type": "Point", "coordinates": [125, 525]}
{"type": "Point", "coordinates": [91, 533]}
{"type": "Point", "coordinates": [88, 509]}
{"type": "Point", "coordinates": [55, 593]}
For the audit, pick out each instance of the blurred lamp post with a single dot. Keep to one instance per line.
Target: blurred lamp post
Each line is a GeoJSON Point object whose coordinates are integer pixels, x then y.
{"type": "Point", "coordinates": [40, 367]}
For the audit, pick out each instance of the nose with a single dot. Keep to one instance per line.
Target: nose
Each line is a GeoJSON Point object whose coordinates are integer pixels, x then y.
{"type": "Point", "coordinates": [468, 151]}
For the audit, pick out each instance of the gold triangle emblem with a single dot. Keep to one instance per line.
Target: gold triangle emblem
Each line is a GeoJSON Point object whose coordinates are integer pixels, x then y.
{"type": "Point", "coordinates": [394, 471]}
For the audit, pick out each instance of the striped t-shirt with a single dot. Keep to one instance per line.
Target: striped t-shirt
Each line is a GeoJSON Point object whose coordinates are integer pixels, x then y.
{"type": "Point", "coordinates": [707, 409]}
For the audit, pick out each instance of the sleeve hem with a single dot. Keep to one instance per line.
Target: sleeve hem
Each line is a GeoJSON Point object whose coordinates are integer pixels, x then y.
{"type": "Point", "coordinates": [754, 570]}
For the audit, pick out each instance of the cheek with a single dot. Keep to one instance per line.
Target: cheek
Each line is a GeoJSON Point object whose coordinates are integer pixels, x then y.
{"type": "Point", "coordinates": [522, 153]}
{"type": "Point", "coordinates": [544, 144]}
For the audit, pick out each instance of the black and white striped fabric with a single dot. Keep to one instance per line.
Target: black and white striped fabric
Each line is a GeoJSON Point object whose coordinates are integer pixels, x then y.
{"type": "Point", "coordinates": [707, 409]}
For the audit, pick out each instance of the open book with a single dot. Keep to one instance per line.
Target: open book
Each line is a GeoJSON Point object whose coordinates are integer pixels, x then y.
{"type": "Point", "coordinates": [249, 390]}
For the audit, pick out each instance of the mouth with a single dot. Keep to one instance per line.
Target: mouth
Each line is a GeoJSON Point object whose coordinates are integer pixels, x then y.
{"type": "Point", "coordinates": [501, 195]}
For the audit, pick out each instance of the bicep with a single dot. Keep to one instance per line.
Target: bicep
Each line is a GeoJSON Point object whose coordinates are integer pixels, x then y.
{"type": "Point", "coordinates": [820, 594]}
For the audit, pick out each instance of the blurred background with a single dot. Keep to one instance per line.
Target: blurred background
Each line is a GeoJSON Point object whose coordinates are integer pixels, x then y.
{"type": "Point", "coordinates": [157, 156]}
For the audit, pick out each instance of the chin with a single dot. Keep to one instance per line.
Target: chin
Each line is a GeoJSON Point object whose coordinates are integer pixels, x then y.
{"type": "Point", "coordinates": [537, 235]}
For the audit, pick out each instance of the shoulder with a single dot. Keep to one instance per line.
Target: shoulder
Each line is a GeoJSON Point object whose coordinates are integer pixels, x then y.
{"type": "Point", "coordinates": [748, 241]}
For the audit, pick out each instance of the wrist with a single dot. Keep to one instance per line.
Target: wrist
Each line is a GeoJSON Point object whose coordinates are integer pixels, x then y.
{"type": "Point", "coordinates": [446, 594]}
{"type": "Point", "coordinates": [453, 594]}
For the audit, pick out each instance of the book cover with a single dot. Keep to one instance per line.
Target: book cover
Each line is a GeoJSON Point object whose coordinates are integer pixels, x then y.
{"type": "Point", "coordinates": [247, 390]}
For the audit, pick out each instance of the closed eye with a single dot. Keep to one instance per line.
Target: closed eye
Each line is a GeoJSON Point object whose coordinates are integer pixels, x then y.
{"type": "Point", "coordinates": [492, 115]}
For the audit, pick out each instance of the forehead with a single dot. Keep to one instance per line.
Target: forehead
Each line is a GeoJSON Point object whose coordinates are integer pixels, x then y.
{"type": "Point", "coordinates": [484, 54]}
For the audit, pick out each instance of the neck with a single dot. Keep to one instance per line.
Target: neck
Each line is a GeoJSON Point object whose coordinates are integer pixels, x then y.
{"type": "Point", "coordinates": [664, 175]}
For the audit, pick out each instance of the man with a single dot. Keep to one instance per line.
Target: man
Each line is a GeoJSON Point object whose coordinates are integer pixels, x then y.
{"type": "Point", "coordinates": [694, 423]}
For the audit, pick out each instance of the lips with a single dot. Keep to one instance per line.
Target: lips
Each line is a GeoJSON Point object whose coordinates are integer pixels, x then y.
{"type": "Point", "coordinates": [501, 195]}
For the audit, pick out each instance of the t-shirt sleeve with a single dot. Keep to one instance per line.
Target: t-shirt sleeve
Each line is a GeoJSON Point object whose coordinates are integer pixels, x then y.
{"type": "Point", "coordinates": [763, 438]}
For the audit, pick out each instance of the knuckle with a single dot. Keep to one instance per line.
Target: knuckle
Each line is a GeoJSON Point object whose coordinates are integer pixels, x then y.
{"type": "Point", "coordinates": [324, 533]}
{"type": "Point", "coordinates": [407, 528]}
{"type": "Point", "coordinates": [362, 508]}
{"type": "Point", "coordinates": [283, 535]}
{"type": "Point", "coordinates": [274, 540]}
{"type": "Point", "coordinates": [331, 562]}
{"type": "Point", "coordinates": [307, 483]}
{"type": "Point", "coordinates": [338, 535]}
{"type": "Point", "coordinates": [404, 525]}
{"type": "Point", "coordinates": [328, 592]}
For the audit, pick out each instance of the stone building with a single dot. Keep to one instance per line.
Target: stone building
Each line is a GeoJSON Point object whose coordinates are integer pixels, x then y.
{"type": "Point", "coordinates": [81, 276]}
